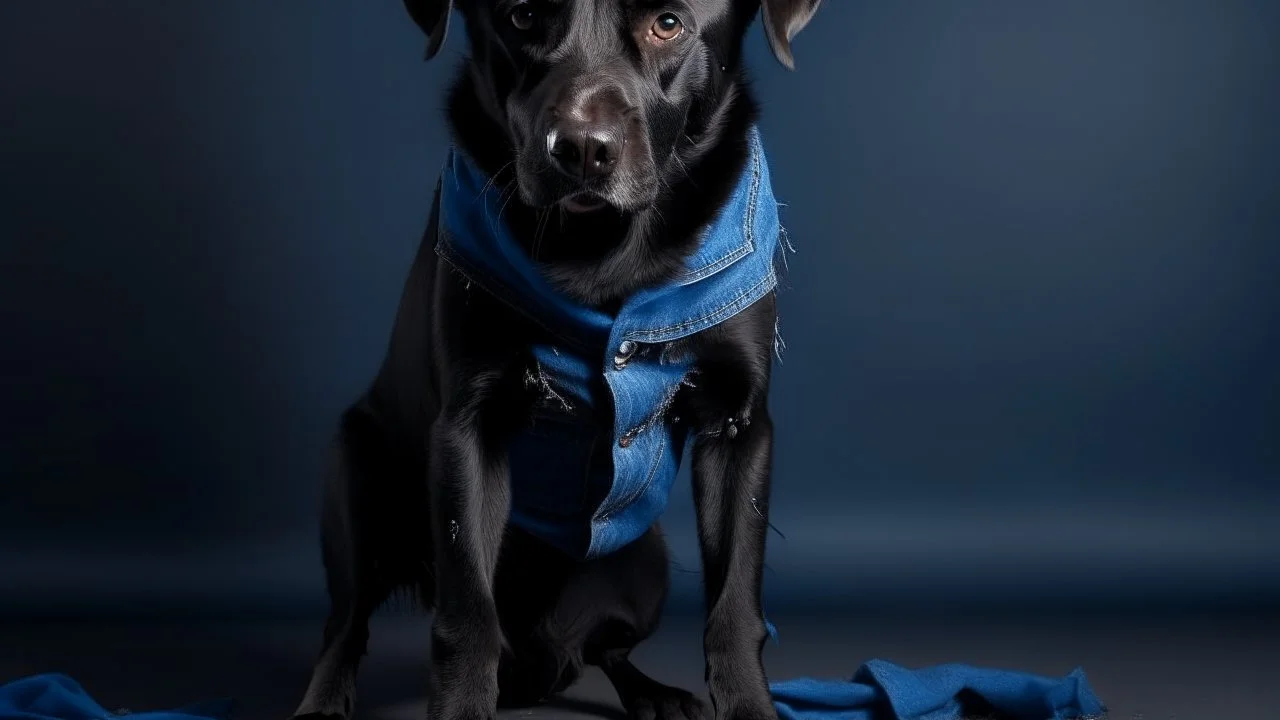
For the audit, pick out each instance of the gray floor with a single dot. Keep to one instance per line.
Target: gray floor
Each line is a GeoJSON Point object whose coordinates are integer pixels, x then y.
{"type": "Point", "coordinates": [1149, 665]}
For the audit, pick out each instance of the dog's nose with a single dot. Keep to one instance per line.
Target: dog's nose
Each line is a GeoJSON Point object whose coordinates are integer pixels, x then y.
{"type": "Point", "coordinates": [584, 152]}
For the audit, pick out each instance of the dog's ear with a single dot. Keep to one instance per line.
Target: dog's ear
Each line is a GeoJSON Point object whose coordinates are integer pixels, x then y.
{"type": "Point", "coordinates": [782, 20]}
{"type": "Point", "coordinates": [433, 17]}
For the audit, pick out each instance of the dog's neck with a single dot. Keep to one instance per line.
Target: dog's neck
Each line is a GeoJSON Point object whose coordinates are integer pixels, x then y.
{"type": "Point", "coordinates": [602, 258]}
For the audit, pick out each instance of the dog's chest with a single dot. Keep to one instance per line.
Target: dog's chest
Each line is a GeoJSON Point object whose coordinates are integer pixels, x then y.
{"type": "Point", "coordinates": [599, 442]}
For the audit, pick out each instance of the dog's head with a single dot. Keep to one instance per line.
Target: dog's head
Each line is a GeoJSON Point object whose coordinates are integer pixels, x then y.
{"type": "Point", "coordinates": [595, 96]}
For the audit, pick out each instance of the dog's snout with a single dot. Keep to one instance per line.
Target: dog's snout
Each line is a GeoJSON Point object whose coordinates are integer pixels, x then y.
{"type": "Point", "coordinates": [586, 135]}
{"type": "Point", "coordinates": [584, 152]}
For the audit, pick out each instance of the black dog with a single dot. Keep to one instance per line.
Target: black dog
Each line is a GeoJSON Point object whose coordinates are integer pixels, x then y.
{"type": "Point", "coordinates": [614, 132]}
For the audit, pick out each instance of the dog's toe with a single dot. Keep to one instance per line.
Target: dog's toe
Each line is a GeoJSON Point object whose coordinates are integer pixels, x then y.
{"type": "Point", "coordinates": [668, 703]}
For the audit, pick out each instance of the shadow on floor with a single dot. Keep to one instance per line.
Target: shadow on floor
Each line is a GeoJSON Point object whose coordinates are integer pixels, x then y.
{"type": "Point", "coordinates": [1197, 666]}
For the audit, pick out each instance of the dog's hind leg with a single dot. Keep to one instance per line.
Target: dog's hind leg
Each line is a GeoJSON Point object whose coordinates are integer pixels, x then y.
{"type": "Point", "coordinates": [647, 699]}
{"type": "Point", "coordinates": [529, 583]}
{"type": "Point", "coordinates": [622, 595]}
{"type": "Point", "coordinates": [348, 547]}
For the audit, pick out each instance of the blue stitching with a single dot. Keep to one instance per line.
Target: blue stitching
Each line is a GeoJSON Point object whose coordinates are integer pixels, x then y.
{"type": "Point", "coordinates": [692, 276]}
{"type": "Point", "coordinates": [749, 222]}
{"type": "Point", "coordinates": [748, 234]}
{"type": "Point", "coordinates": [673, 332]}
{"type": "Point", "coordinates": [606, 510]}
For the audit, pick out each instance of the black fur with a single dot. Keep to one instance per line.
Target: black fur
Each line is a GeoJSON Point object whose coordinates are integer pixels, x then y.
{"type": "Point", "coordinates": [417, 495]}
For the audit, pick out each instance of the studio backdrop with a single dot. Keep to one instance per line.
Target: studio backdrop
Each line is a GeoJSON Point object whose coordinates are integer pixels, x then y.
{"type": "Point", "coordinates": [1032, 324]}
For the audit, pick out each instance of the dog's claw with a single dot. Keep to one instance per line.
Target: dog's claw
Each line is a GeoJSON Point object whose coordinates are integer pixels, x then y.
{"type": "Point", "coordinates": [462, 713]}
{"type": "Point", "coordinates": [671, 704]}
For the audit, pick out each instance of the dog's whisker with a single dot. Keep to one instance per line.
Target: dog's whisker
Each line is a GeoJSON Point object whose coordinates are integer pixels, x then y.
{"type": "Point", "coordinates": [494, 178]}
{"type": "Point", "coordinates": [502, 210]}
{"type": "Point", "coordinates": [684, 169]}
{"type": "Point", "coordinates": [544, 217]}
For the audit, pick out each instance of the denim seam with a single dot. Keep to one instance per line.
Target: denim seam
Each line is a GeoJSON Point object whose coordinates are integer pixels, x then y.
{"type": "Point", "coordinates": [605, 511]}
{"type": "Point", "coordinates": [740, 301]}
{"type": "Point", "coordinates": [692, 276]}
{"type": "Point", "coordinates": [748, 228]}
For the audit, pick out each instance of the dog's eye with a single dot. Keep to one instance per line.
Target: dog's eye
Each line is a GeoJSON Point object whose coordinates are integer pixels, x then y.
{"type": "Point", "coordinates": [522, 16]}
{"type": "Point", "coordinates": [667, 26]}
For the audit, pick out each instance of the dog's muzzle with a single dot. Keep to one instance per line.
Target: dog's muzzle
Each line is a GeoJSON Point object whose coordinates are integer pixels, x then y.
{"type": "Point", "coordinates": [586, 136]}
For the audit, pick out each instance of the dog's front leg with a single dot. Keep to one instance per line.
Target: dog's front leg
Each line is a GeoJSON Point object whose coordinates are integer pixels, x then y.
{"type": "Point", "coordinates": [470, 505]}
{"type": "Point", "coordinates": [731, 471]}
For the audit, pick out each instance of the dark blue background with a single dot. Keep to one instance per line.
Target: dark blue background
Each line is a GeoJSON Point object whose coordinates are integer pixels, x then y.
{"type": "Point", "coordinates": [1032, 324]}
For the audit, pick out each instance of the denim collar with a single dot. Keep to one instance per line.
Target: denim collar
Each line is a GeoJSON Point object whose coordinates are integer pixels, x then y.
{"type": "Point", "coordinates": [743, 238]}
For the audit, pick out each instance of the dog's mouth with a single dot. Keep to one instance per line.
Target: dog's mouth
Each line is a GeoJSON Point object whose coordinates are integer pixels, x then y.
{"type": "Point", "coordinates": [583, 202]}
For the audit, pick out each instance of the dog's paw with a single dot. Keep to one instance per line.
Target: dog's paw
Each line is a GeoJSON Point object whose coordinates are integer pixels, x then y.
{"type": "Point", "coordinates": [753, 707]}
{"type": "Point", "coordinates": [668, 703]}
{"type": "Point", "coordinates": [760, 713]}
{"type": "Point", "coordinates": [464, 714]}
{"type": "Point", "coordinates": [463, 711]}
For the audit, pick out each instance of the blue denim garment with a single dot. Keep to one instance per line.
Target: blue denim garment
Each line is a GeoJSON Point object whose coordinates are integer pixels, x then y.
{"type": "Point", "coordinates": [585, 486]}
{"type": "Point", "coordinates": [881, 690]}
{"type": "Point", "coordinates": [54, 696]}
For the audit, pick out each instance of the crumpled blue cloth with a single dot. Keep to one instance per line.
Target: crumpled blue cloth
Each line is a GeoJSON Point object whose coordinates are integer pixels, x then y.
{"type": "Point", "coordinates": [53, 696]}
{"type": "Point", "coordinates": [880, 690]}
{"type": "Point", "coordinates": [883, 691]}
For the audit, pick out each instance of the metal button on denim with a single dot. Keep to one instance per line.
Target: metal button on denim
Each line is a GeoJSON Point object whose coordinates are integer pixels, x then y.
{"type": "Point", "coordinates": [627, 438]}
{"type": "Point", "coordinates": [625, 350]}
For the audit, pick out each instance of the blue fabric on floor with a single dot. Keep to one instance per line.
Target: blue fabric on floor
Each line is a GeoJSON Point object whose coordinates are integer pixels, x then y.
{"type": "Point", "coordinates": [53, 696]}
{"type": "Point", "coordinates": [883, 691]}
{"type": "Point", "coordinates": [880, 690]}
